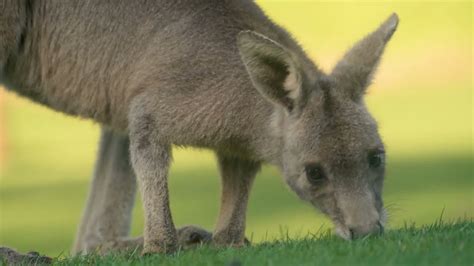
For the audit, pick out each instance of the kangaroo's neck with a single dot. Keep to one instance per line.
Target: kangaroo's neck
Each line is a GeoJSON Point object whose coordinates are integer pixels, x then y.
{"type": "Point", "coordinates": [275, 141]}
{"type": "Point", "coordinates": [268, 132]}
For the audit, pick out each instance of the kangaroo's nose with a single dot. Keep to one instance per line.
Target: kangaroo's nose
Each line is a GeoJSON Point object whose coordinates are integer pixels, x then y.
{"type": "Point", "coordinates": [361, 231]}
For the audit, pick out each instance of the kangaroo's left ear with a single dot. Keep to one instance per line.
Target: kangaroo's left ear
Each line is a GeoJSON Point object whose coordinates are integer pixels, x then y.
{"type": "Point", "coordinates": [354, 71]}
{"type": "Point", "coordinates": [271, 67]}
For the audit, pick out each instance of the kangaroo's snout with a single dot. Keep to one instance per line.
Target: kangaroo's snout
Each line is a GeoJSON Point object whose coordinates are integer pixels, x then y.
{"type": "Point", "coordinates": [360, 214]}
{"type": "Point", "coordinates": [375, 228]}
{"type": "Point", "coordinates": [363, 223]}
{"type": "Point", "coordinates": [352, 232]}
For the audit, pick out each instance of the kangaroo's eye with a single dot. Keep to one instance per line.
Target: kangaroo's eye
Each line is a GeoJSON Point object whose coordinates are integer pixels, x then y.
{"type": "Point", "coordinates": [315, 174]}
{"type": "Point", "coordinates": [376, 159]}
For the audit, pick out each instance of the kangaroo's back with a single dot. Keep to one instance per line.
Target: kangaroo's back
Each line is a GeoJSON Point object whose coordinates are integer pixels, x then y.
{"type": "Point", "coordinates": [90, 58]}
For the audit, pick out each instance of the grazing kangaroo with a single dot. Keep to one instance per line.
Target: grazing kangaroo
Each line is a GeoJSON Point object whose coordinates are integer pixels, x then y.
{"type": "Point", "coordinates": [215, 74]}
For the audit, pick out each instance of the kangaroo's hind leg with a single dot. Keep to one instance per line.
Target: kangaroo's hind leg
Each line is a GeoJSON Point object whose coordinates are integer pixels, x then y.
{"type": "Point", "coordinates": [237, 178]}
{"type": "Point", "coordinates": [107, 216]}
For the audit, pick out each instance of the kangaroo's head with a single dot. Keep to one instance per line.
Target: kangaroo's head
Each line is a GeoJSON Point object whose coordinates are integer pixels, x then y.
{"type": "Point", "coordinates": [332, 154]}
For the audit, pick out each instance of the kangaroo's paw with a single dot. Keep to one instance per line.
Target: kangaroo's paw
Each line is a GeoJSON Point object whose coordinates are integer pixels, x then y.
{"type": "Point", "coordinates": [12, 257]}
{"type": "Point", "coordinates": [189, 236]}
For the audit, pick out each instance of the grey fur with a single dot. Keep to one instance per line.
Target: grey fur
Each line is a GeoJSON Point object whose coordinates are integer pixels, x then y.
{"type": "Point", "coordinates": [109, 206]}
{"type": "Point", "coordinates": [215, 74]}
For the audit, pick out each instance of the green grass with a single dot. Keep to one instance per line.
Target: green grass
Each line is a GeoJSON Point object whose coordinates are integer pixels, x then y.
{"type": "Point", "coordinates": [436, 244]}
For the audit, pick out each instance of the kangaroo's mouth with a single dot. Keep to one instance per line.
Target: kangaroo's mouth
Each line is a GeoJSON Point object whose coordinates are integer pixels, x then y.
{"type": "Point", "coordinates": [350, 234]}
{"type": "Point", "coordinates": [345, 232]}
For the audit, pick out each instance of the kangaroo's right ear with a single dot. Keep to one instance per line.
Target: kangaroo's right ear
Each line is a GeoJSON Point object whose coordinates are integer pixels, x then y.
{"type": "Point", "coordinates": [354, 71]}
{"type": "Point", "coordinates": [271, 68]}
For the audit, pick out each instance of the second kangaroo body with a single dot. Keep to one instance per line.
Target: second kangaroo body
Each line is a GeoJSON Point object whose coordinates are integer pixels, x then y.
{"type": "Point", "coordinates": [213, 74]}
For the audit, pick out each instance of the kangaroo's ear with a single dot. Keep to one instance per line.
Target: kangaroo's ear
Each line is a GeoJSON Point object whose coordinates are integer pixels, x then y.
{"type": "Point", "coordinates": [354, 72]}
{"type": "Point", "coordinates": [271, 68]}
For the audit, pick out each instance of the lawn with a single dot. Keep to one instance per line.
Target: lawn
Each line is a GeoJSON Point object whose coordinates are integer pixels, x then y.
{"type": "Point", "coordinates": [436, 244]}
{"type": "Point", "coordinates": [422, 98]}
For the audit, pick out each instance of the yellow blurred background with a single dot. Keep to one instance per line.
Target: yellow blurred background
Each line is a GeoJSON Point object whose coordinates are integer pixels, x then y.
{"type": "Point", "coordinates": [421, 96]}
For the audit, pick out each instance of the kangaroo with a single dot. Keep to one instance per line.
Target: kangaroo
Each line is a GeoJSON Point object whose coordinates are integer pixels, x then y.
{"type": "Point", "coordinates": [215, 74]}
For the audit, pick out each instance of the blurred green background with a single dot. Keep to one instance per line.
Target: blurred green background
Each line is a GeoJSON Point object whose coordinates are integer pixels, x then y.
{"type": "Point", "coordinates": [421, 96]}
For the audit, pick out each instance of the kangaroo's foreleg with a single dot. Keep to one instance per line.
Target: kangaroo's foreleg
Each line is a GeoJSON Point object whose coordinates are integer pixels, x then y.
{"type": "Point", "coordinates": [237, 178]}
{"type": "Point", "coordinates": [151, 158]}
{"type": "Point", "coordinates": [110, 203]}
